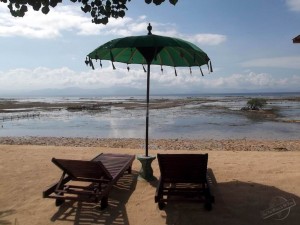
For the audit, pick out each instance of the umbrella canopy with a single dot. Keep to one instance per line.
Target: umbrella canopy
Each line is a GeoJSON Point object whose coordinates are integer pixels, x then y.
{"type": "Point", "coordinates": [150, 49]}
{"type": "Point", "coordinates": [153, 49]}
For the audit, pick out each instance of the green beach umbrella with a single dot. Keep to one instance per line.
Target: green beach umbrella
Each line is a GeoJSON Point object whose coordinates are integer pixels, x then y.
{"type": "Point", "coordinates": [150, 49]}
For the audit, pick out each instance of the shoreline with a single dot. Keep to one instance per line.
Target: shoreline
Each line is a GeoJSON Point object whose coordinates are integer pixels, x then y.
{"type": "Point", "coordinates": [160, 144]}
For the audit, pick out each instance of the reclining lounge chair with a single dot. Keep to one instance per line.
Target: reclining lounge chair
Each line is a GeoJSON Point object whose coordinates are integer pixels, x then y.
{"type": "Point", "coordinates": [99, 175]}
{"type": "Point", "coordinates": [183, 175]}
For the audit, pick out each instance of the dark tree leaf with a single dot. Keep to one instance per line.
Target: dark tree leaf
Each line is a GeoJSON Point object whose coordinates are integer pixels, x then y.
{"type": "Point", "coordinates": [158, 2]}
{"type": "Point", "coordinates": [121, 13]}
{"type": "Point", "coordinates": [173, 2]}
{"type": "Point", "coordinates": [45, 9]}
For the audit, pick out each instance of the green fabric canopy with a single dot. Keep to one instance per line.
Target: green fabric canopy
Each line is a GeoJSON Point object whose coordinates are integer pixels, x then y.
{"type": "Point", "coordinates": [153, 49]}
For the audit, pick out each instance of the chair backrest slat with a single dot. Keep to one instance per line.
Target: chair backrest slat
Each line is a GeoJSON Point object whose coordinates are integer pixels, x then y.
{"type": "Point", "coordinates": [80, 169]}
{"type": "Point", "coordinates": [185, 168]}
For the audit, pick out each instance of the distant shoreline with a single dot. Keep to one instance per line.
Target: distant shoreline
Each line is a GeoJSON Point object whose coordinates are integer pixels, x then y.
{"type": "Point", "coordinates": [25, 104]}
{"type": "Point", "coordinates": [88, 93]}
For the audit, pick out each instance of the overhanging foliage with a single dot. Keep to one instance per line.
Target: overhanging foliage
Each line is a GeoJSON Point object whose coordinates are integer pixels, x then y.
{"type": "Point", "coordinates": [100, 10]}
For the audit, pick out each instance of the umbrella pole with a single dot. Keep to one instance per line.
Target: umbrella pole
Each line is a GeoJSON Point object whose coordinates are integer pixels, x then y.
{"type": "Point", "coordinates": [146, 172]}
{"type": "Point", "coordinates": [147, 112]}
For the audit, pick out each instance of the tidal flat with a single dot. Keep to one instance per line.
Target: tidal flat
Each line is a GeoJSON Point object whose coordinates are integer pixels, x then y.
{"type": "Point", "coordinates": [188, 117]}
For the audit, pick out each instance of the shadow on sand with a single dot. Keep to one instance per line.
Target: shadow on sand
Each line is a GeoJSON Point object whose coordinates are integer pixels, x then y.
{"type": "Point", "coordinates": [4, 214]}
{"type": "Point", "coordinates": [89, 213]}
{"type": "Point", "coordinates": [238, 203]}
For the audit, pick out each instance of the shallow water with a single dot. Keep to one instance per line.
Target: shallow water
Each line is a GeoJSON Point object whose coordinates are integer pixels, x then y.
{"type": "Point", "coordinates": [219, 119]}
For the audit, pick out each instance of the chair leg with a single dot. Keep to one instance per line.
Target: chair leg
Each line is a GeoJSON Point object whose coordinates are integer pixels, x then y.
{"type": "Point", "coordinates": [59, 202]}
{"type": "Point", "coordinates": [129, 170]}
{"type": "Point", "coordinates": [161, 205]}
{"type": "Point", "coordinates": [104, 203]}
{"type": "Point", "coordinates": [208, 199]}
{"type": "Point", "coordinates": [207, 206]}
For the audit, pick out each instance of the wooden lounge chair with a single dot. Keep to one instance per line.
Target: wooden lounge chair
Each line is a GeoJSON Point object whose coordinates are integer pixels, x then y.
{"type": "Point", "coordinates": [183, 175]}
{"type": "Point", "coordinates": [98, 176]}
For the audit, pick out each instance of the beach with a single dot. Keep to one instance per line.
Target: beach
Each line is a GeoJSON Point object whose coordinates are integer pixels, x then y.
{"type": "Point", "coordinates": [248, 177]}
{"type": "Point", "coordinates": [253, 158]}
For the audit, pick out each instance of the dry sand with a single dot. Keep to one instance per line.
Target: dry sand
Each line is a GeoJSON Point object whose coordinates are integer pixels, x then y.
{"type": "Point", "coordinates": [245, 183]}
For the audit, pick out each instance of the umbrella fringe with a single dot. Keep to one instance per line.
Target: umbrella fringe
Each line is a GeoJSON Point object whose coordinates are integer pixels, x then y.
{"type": "Point", "coordinates": [111, 56]}
{"type": "Point", "coordinates": [201, 71]}
{"type": "Point", "coordinates": [113, 66]}
{"type": "Point", "coordinates": [112, 59]}
{"type": "Point", "coordinates": [144, 68]}
{"type": "Point", "coordinates": [91, 63]}
{"type": "Point", "coordinates": [211, 69]}
{"type": "Point", "coordinates": [86, 61]}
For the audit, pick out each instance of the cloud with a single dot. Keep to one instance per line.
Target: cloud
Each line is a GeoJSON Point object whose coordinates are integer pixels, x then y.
{"type": "Point", "coordinates": [37, 25]}
{"type": "Point", "coordinates": [41, 77]}
{"type": "Point", "coordinates": [207, 39]}
{"type": "Point", "coordinates": [202, 39]}
{"type": "Point", "coordinates": [291, 62]}
{"type": "Point", "coordinates": [294, 5]}
{"type": "Point", "coordinates": [254, 82]}
{"type": "Point", "coordinates": [70, 18]}
{"type": "Point", "coordinates": [44, 78]}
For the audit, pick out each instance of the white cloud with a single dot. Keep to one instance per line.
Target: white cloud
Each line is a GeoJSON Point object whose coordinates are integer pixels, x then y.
{"type": "Point", "coordinates": [253, 82]}
{"type": "Point", "coordinates": [37, 25]}
{"type": "Point", "coordinates": [292, 62]}
{"type": "Point", "coordinates": [293, 5]}
{"type": "Point", "coordinates": [207, 39]}
{"type": "Point", "coordinates": [42, 78]}
{"type": "Point", "coordinates": [71, 18]}
{"type": "Point", "coordinates": [63, 18]}
{"type": "Point", "coordinates": [199, 38]}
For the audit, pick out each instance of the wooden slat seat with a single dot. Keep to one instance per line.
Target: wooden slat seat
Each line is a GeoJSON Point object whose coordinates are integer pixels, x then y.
{"type": "Point", "coordinates": [101, 173]}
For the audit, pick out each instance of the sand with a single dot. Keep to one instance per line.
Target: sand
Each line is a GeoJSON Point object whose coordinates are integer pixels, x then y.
{"type": "Point", "coordinates": [245, 184]}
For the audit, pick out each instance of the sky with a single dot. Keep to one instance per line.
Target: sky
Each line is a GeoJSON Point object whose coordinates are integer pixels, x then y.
{"type": "Point", "coordinates": [249, 44]}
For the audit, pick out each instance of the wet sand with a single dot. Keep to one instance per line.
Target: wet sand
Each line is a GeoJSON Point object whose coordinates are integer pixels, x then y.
{"type": "Point", "coordinates": [25, 106]}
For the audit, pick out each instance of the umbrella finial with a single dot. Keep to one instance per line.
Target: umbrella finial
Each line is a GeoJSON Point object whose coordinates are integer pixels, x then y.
{"type": "Point", "coordinates": [149, 28]}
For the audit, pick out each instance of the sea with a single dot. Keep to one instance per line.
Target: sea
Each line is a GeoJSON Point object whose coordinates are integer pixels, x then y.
{"type": "Point", "coordinates": [215, 116]}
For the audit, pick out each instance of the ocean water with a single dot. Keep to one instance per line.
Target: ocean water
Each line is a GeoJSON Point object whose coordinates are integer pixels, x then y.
{"type": "Point", "coordinates": [214, 117]}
